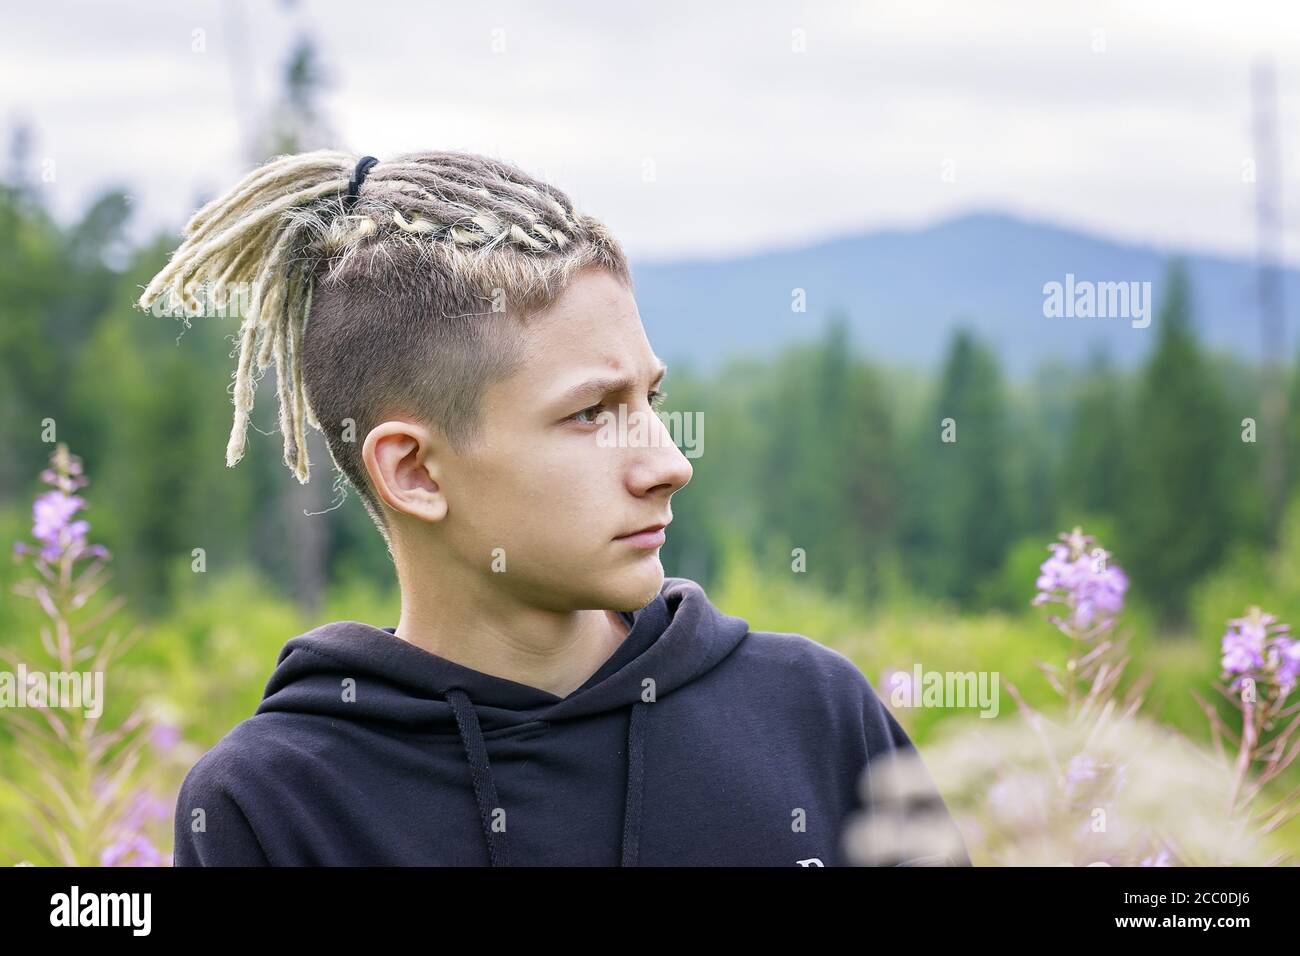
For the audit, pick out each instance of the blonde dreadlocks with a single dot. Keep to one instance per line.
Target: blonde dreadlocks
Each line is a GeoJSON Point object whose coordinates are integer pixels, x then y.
{"type": "Point", "coordinates": [366, 298]}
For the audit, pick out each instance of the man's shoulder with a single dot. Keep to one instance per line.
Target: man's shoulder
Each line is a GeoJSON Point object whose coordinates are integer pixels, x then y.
{"type": "Point", "coordinates": [799, 661]}
{"type": "Point", "coordinates": [798, 654]}
{"type": "Point", "coordinates": [255, 743]}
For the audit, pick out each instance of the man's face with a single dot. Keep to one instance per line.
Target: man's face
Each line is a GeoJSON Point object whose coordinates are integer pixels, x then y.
{"type": "Point", "coordinates": [555, 481]}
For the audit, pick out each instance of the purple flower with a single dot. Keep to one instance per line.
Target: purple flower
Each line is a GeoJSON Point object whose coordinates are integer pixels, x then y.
{"type": "Point", "coordinates": [1079, 576]}
{"type": "Point", "coordinates": [164, 736]}
{"type": "Point", "coordinates": [1258, 647]}
{"type": "Point", "coordinates": [1288, 668]}
{"type": "Point", "coordinates": [145, 808]}
{"type": "Point", "coordinates": [52, 524]}
{"type": "Point", "coordinates": [134, 850]}
{"type": "Point", "coordinates": [132, 847]}
{"type": "Point", "coordinates": [1243, 646]}
{"type": "Point", "coordinates": [54, 521]}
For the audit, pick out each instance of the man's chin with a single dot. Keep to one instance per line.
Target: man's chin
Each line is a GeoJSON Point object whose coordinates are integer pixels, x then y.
{"type": "Point", "coordinates": [633, 587]}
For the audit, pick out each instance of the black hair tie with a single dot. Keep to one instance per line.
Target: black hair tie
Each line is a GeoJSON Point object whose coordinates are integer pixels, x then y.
{"type": "Point", "coordinates": [364, 166]}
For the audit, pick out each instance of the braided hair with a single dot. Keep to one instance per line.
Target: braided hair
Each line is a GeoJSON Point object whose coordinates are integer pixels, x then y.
{"type": "Point", "coordinates": [381, 300]}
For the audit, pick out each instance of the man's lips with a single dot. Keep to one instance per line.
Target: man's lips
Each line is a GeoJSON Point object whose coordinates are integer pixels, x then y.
{"type": "Point", "coordinates": [651, 536]}
{"type": "Point", "coordinates": [647, 529]}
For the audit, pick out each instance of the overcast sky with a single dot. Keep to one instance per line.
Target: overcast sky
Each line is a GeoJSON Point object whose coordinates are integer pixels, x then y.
{"type": "Point", "coordinates": [1131, 119]}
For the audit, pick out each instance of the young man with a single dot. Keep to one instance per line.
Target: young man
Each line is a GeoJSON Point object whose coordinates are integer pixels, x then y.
{"type": "Point", "coordinates": [462, 334]}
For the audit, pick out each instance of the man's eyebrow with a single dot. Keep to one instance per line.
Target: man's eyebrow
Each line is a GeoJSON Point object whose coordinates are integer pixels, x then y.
{"type": "Point", "coordinates": [595, 387]}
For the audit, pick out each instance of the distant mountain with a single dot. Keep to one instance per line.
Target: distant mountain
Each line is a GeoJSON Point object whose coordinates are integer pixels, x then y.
{"type": "Point", "coordinates": [904, 291]}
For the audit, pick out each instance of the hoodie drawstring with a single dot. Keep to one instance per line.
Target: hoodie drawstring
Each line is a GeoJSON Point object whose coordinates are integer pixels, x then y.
{"type": "Point", "coordinates": [485, 791]}
{"type": "Point", "coordinates": [635, 774]}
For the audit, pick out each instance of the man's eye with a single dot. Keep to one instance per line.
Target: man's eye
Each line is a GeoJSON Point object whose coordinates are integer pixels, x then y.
{"type": "Point", "coordinates": [594, 409]}
{"type": "Point", "coordinates": [656, 399]}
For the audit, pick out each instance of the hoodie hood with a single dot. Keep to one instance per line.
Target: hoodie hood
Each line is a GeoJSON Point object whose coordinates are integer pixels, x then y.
{"type": "Point", "coordinates": [358, 672]}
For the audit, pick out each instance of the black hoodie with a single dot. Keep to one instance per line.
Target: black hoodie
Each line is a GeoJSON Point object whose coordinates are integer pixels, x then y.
{"type": "Point", "coordinates": [698, 742]}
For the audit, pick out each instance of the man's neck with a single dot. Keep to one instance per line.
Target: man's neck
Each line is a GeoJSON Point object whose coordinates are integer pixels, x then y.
{"type": "Point", "coordinates": [553, 652]}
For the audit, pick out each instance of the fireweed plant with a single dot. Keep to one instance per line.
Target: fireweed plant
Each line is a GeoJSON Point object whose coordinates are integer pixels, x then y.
{"type": "Point", "coordinates": [1079, 578]}
{"type": "Point", "coordinates": [1087, 593]}
{"type": "Point", "coordinates": [1095, 784]}
{"type": "Point", "coordinates": [81, 780]}
{"type": "Point", "coordinates": [1261, 662]}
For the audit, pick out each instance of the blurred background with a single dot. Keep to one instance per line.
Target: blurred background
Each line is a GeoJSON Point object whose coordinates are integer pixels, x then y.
{"type": "Point", "coordinates": [843, 219]}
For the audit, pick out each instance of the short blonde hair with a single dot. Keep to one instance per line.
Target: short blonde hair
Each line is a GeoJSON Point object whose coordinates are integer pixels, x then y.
{"type": "Point", "coordinates": [407, 298]}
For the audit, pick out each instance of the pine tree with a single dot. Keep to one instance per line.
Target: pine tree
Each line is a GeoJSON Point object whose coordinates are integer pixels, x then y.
{"type": "Point", "coordinates": [825, 464]}
{"type": "Point", "coordinates": [1177, 511]}
{"type": "Point", "coordinates": [961, 517]}
{"type": "Point", "coordinates": [1093, 468]}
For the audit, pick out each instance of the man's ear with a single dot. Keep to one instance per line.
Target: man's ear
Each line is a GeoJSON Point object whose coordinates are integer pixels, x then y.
{"type": "Point", "coordinates": [403, 461]}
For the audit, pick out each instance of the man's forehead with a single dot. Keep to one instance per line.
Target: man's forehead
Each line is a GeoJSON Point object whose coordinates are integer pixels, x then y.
{"type": "Point", "coordinates": [609, 349]}
{"type": "Point", "coordinates": [575, 366]}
